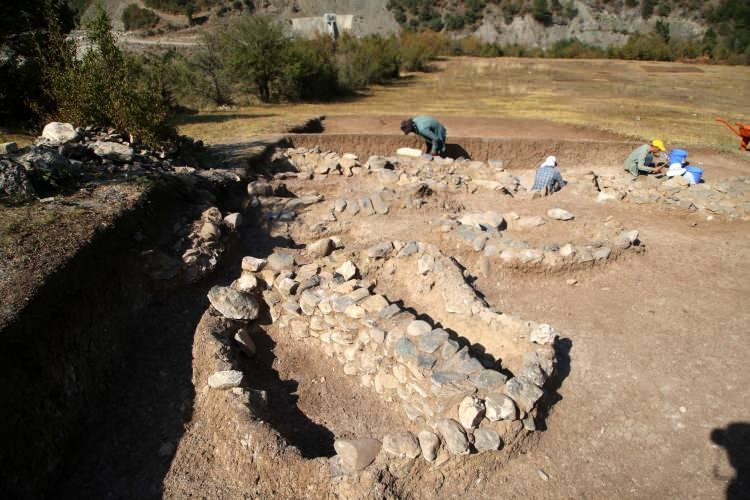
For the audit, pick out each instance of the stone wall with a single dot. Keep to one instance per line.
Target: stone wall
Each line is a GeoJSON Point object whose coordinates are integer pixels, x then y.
{"type": "Point", "coordinates": [443, 385]}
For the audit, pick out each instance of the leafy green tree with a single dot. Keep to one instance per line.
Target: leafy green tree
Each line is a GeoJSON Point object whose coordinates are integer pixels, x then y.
{"type": "Point", "coordinates": [310, 71]}
{"type": "Point", "coordinates": [363, 61]}
{"type": "Point", "coordinates": [256, 48]}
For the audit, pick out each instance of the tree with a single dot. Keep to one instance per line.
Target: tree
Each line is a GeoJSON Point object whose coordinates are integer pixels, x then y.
{"type": "Point", "coordinates": [540, 11]}
{"type": "Point", "coordinates": [256, 49]}
{"type": "Point", "coordinates": [105, 87]}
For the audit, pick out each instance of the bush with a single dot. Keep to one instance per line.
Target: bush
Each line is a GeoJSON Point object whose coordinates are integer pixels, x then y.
{"type": "Point", "coordinates": [573, 48]}
{"type": "Point", "coordinates": [647, 8]}
{"type": "Point", "coordinates": [181, 6]}
{"type": "Point", "coordinates": [310, 70]}
{"type": "Point", "coordinates": [106, 87]}
{"type": "Point", "coordinates": [541, 13]}
{"type": "Point", "coordinates": [454, 22]}
{"type": "Point", "coordinates": [202, 76]}
{"type": "Point", "coordinates": [363, 61]}
{"type": "Point", "coordinates": [255, 49]}
{"type": "Point", "coordinates": [135, 18]}
{"type": "Point", "coordinates": [418, 49]}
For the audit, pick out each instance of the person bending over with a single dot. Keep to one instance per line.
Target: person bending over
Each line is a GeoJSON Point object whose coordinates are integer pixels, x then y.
{"type": "Point", "coordinates": [431, 130]}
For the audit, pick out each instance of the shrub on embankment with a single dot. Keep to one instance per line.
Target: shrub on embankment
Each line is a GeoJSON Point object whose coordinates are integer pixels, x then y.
{"type": "Point", "coordinates": [105, 86]}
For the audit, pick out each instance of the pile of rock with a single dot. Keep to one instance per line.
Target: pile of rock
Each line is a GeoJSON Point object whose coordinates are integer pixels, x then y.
{"type": "Point", "coordinates": [483, 232]}
{"type": "Point", "coordinates": [471, 404]}
{"type": "Point", "coordinates": [729, 197]}
{"type": "Point", "coordinates": [439, 174]}
{"type": "Point", "coordinates": [64, 153]}
{"type": "Point", "coordinates": [206, 242]}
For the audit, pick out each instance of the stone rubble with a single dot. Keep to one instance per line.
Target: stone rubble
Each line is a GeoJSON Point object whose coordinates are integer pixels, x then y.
{"type": "Point", "coordinates": [503, 250]}
{"type": "Point", "coordinates": [729, 197]}
{"type": "Point", "coordinates": [436, 379]}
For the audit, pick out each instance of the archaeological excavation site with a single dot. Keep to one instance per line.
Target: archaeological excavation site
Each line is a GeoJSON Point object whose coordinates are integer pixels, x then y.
{"type": "Point", "coordinates": [326, 319]}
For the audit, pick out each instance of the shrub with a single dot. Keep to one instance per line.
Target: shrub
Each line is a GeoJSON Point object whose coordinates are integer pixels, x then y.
{"type": "Point", "coordinates": [541, 13]}
{"type": "Point", "coordinates": [255, 50]}
{"type": "Point", "coordinates": [573, 48]}
{"type": "Point", "coordinates": [202, 76]}
{"type": "Point", "coordinates": [454, 22]}
{"type": "Point", "coordinates": [418, 49]}
{"type": "Point", "coordinates": [105, 87]}
{"type": "Point", "coordinates": [372, 59]}
{"type": "Point", "coordinates": [135, 18]}
{"type": "Point", "coordinates": [310, 70]}
{"type": "Point", "coordinates": [664, 9]}
{"type": "Point", "coordinates": [471, 46]}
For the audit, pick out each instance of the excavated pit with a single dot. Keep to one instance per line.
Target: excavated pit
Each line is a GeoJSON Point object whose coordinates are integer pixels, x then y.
{"type": "Point", "coordinates": [274, 434]}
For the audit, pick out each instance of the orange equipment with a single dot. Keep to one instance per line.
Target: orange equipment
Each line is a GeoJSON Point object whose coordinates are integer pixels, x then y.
{"type": "Point", "coordinates": [742, 131]}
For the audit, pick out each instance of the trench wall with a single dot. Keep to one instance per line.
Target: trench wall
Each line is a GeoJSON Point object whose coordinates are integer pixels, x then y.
{"type": "Point", "coordinates": [516, 153]}
{"type": "Point", "coordinates": [56, 355]}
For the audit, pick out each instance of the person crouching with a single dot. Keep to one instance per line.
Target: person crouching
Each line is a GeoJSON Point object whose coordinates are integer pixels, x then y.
{"type": "Point", "coordinates": [641, 160]}
{"type": "Point", "coordinates": [548, 179]}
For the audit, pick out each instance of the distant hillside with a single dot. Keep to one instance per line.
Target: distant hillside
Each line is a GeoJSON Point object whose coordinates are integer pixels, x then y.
{"type": "Point", "coordinates": [531, 23]}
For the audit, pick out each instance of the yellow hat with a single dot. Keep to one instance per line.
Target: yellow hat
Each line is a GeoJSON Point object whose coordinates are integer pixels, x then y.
{"type": "Point", "coordinates": [658, 144]}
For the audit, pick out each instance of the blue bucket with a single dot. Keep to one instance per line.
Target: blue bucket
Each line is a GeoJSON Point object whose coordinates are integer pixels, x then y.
{"type": "Point", "coordinates": [677, 156]}
{"type": "Point", "coordinates": [694, 172]}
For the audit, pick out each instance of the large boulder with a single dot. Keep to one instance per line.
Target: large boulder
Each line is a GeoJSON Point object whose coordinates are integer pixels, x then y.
{"type": "Point", "coordinates": [559, 214]}
{"type": "Point", "coordinates": [225, 379]}
{"type": "Point", "coordinates": [429, 443]}
{"type": "Point", "coordinates": [57, 133]}
{"type": "Point", "coordinates": [486, 440]}
{"type": "Point", "coordinates": [233, 304]}
{"type": "Point", "coordinates": [42, 158]}
{"type": "Point", "coordinates": [8, 148]}
{"type": "Point", "coordinates": [471, 412]}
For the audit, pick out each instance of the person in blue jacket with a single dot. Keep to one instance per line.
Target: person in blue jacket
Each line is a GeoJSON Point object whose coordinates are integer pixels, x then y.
{"type": "Point", "coordinates": [431, 130]}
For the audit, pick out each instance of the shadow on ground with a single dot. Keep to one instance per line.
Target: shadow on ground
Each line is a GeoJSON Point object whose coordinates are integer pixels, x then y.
{"type": "Point", "coordinates": [735, 439]}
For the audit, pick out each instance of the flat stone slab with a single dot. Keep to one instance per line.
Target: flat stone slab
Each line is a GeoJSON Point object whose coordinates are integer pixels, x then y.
{"type": "Point", "coordinates": [225, 379]}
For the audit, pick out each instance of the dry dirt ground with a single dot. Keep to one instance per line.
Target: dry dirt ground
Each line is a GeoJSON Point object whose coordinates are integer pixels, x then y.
{"type": "Point", "coordinates": [654, 393]}
{"type": "Point", "coordinates": [636, 99]}
{"type": "Point", "coordinates": [39, 238]}
{"type": "Point", "coordinates": [658, 343]}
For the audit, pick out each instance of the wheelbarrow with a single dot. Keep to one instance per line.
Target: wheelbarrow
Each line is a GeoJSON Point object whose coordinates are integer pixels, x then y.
{"type": "Point", "coordinates": [742, 131]}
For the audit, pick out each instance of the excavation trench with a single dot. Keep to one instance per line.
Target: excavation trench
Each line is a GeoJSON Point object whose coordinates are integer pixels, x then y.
{"type": "Point", "coordinates": [516, 153]}
{"type": "Point", "coordinates": [99, 370]}
{"type": "Point", "coordinates": [96, 369]}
